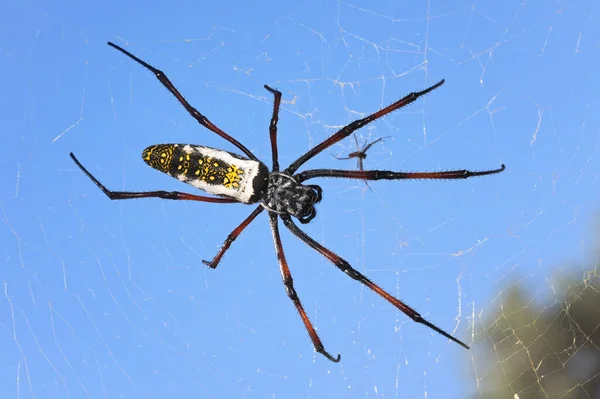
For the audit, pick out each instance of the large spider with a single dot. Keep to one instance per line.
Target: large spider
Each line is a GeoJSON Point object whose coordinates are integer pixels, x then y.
{"type": "Point", "coordinates": [281, 193]}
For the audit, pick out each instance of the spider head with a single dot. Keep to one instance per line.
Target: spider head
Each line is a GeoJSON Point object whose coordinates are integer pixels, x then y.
{"type": "Point", "coordinates": [286, 196]}
{"type": "Point", "coordinates": [313, 195]}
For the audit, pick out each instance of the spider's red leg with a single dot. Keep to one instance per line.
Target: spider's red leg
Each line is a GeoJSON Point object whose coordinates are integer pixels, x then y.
{"type": "Point", "coordinates": [291, 292]}
{"type": "Point", "coordinates": [203, 120]}
{"type": "Point", "coordinates": [361, 167]}
{"type": "Point", "coordinates": [171, 195]}
{"type": "Point", "coordinates": [364, 156]}
{"type": "Point", "coordinates": [231, 238]}
{"type": "Point", "coordinates": [273, 127]}
{"type": "Point", "coordinates": [389, 175]}
{"type": "Point", "coordinates": [357, 124]}
{"type": "Point", "coordinates": [344, 266]}
{"type": "Point", "coordinates": [368, 186]}
{"type": "Point", "coordinates": [361, 154]}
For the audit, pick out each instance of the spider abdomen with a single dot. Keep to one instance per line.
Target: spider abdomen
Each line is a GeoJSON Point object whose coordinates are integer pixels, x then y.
{"type": "Point", "coordinates": [215, 171]}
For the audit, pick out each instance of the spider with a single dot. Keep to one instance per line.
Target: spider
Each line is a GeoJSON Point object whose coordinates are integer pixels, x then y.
{"type": "Point", "coordinates": [361, 154]}
{"type": "Point", "coordinates": [282, 193]}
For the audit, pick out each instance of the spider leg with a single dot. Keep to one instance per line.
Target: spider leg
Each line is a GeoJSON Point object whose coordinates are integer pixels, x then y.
{"type": "Point", "coordinates": [356, 142]}
{"type": "Point", "coordinates": [172, 195]}
{"type": "Point", "coordinates": [364, 156]}
{"type": "Point", "coordinates": [344, 266]}
{"type": "Point", "coordinates": [359, 164]}
{"type": "Point", "coordinates": [341, 158]}
{"type": "Point", "coordinates": [357, 124]}
{"type": "Point", "coordinates": [366, 147]}
{"type": "Point", "coordinates": [288, 282]}
{"type": "Point", "coordinates": [361, 168]}
{"type": "Point", "coordinates": [231, 238]}
{"type": "Point", "coordinates": [273, 127]}
{"type": "Point", "coordinates": [389, 175]}
{"type": "Point", "coordinates": [203, 120]}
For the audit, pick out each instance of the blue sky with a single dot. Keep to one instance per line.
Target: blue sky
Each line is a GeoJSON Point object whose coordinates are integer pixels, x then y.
{"type": "Point", "coordinates": [110, 299]}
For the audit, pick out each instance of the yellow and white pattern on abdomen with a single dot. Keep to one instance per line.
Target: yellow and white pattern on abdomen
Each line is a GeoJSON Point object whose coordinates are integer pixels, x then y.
{"type": "Point", "coordinates": [215, 171]}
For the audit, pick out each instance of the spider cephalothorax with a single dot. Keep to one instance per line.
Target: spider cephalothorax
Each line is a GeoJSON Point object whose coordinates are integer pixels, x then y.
{"type": "Point", "coordinates": [235, 179]}
{"type": "Point", "coordinates": [286, 196]}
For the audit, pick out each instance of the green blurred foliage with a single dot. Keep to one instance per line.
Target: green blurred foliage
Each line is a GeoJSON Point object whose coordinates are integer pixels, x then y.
{"type": "Point", "coordinates": [528, 349]}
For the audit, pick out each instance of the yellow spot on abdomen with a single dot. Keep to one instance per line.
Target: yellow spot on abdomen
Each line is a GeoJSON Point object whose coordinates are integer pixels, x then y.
{"type": "Point", "coordinates": [232, 177]}
{"type": "Point", "coordinates": [159, 156]}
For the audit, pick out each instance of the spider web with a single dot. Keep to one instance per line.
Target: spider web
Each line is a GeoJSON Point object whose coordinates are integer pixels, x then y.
{"type": "Point", "coordinates": [110, 299]}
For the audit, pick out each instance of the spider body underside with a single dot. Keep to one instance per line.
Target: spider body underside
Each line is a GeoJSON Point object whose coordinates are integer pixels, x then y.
{"type": "Point", "coordinates": [237, 179]}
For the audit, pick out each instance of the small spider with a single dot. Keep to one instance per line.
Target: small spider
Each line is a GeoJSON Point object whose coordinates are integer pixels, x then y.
{"type": "Point", "coordinates": [361, 154]}
{"type": "Point", "coordinates": [237, 179]}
